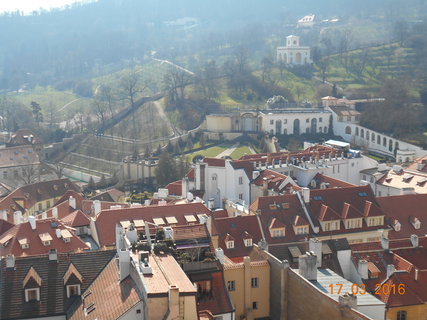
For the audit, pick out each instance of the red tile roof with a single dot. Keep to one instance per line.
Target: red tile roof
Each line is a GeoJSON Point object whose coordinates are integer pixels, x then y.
{"type": "Point", "coordinates": [175, 188]}
{"type": "Point", "coordinates": [403, 208]}
{"type": "Point", "coordinates": [330, 182]}
{"type": "Point", "coordinates": [33, 193]}
{"type": "Point", "coordinates": [4, 226]}
{"type": "Point", "coordinates": [190, 175]}
{"type": "Point", "coordinates": [274, 181]}
{"type": "Point", "coordinates": [238, 228]}
{"type": "Point", "coordinates": [36, 247]}
{"type": "Point", "coordinates": [106, 221]}
{"type": "Point", "coordinates": [76, 219]}
{"type": "Point", "coordinates": [218, 302]}
{"type": "Point", "coordinates": [214, 162]}
{"type": "Point", "coordinates": [112, 299]}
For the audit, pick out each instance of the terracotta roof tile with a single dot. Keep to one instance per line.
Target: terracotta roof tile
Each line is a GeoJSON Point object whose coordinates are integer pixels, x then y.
{"type": "Point", "coordinates": [36, 247]}
{"type": "Point", "coordinates": [76, 219]}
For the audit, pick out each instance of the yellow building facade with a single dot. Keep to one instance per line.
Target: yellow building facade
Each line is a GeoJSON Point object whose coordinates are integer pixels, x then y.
{"type": "Point", "coordinates": [248, 284]}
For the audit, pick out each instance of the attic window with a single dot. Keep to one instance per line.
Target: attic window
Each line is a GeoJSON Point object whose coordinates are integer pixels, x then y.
{"type": "Point", "coordinates": [285, 205]}
{"type": "Point", "coordinates": [55, 187]}
{"type": "Point", "coordinates": [230, 244]}
{"type": "Point", "coordinates": [24, 243]}
{"type": "Point", "coordinates": [272, 206]}
{"type": "Point", "coordinates": [248, 242]}
{"type": "Point", "coordinates": [318, 198]}
{"type": "Point", "coordinates": [32, 294]}
{"type": "Point", "coordinates": [363, 194]}
{"type": "Point", "coordinates": [73, 290]}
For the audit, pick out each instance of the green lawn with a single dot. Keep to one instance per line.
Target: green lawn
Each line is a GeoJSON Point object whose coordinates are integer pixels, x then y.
{"type": "Point", "coordinates": [240, 152]}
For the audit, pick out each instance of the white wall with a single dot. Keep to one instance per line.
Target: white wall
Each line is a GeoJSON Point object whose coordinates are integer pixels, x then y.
{"type": "Point", "coordinates": [289, 117]}
{"type": "Point", "coordinates": [131, 313]}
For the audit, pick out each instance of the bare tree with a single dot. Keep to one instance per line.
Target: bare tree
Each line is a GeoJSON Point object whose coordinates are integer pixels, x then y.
{"type": "Point", "coordinates": [175, 82]}
{"type": "Point", "coordinates": [131, 85]}
{"type": "Point", "coordinates": [29, 173]}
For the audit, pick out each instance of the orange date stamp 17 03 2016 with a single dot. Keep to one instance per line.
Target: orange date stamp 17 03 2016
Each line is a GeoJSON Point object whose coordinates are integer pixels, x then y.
{"type": "Point", "coordinates": [384, 289]}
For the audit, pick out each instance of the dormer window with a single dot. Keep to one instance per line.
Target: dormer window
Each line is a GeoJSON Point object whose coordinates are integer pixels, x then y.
{"type": "Point", "coordinates": [302, 230]}
{"type": "Point", "coordinates": [73, 290]}
{"type": "Point", "coordinates": [396, 225]}
{"type": "Point", "coordinates": [353, 223]}
{"type": "Point", "coordinates": [24, 243]}
{"type": "Point", "coordinates": [375, 221]}
{"type": "Point", "coordinates": [230, 244]}
{"type": "Point", "coordinates": [248, 242]}
{"type": "Point", "coordinates": [32, 294]}
{"type": "Point", "coordinates": [32, 283]}
{"type": "Point", "coordinates": [416, 223]}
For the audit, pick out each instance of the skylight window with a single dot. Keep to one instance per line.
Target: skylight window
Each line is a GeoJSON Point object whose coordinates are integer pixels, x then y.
{"type": "Point", "coordinates": [318, 198]}
{"type": "Point", "coordinates": [363, 194]}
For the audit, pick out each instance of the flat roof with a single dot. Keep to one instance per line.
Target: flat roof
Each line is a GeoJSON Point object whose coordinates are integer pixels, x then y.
{"type": "Point", "coordinates": [326, 277]}
{"type": "Point", "coordinates": [337, 143]}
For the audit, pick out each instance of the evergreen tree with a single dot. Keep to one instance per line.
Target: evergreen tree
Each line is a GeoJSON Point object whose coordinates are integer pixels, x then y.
{"type": "Point", "coordinates": [166, 169]}
{"type": "Point", "coordinates": [202, 140]}
{"type": "Point", "coordinates": [91, 184]}
{"type": "Point", "coordinates": [37, 112]}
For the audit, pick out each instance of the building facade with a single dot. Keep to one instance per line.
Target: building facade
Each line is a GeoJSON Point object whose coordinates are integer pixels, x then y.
{"type": "Point", "coordinates": [292, 53]}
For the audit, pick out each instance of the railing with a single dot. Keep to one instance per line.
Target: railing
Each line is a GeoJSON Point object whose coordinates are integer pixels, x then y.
{"type": "Point", "coordinates": [199, 266]}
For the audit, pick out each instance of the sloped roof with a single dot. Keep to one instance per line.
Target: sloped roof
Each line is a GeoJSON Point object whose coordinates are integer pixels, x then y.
{"type": "Point", "coordinates": [53, 297]}
{"type": "Point", "coordinates": [36, 247]}
{"type": "Point", "coordinates": [403, 208]}
{"type": "Point", "coordinates": [320, 178]}
{"type": "Point", "coordinates": [76, 219]}
{"type": "Point", "coordinates": [106, 221]}
{"type": "Point", "coordinates": [238, 228]}
{"type": "Point", "coordinates": [175, 188]}
{"type": "Point", "coordinates": [112, 298]}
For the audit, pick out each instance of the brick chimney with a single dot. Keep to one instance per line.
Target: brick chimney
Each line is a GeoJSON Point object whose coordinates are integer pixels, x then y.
{"type": "Point", "coordinates": [72, 202]}
{"type": "Point", "coordinates": [97, 206]}
{"type": "Point", "coordinates": [124, 263]}
{"type": "Point", "coordinates": [390, 270]}
{"type": "Point", "coordinates": [384, 242]}
{"type": "Point", "coordinates": [17, 217]}
{"type": "Point", "coordinates": [53, 255]}
{"type": "Point", "coordinates": [10, 261]}
{"type": "Point", "coordinates": [307, 266]}
{"type": "Point", "coordinates": [414, 240]}
{"type": "Point", "coordinates": [32, 222]}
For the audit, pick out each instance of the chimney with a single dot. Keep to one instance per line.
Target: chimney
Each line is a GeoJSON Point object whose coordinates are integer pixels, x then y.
{"type": "Point", "coordinates": [17, 217]}
{"type": "Point", "coordinates": [307, 266]}
{"type": "Point", "coordinates": [10, 261]}
{"type": "Point", "coordinates": [58, 233]}
{"type": "Point", "coordinates": [255, 174]}
{"type": "Point", "coordinates": [3, 215]}
{"type": "Point", "coordinates": [316, 246]}
{"type": "Point", "coordinates": [132, 234]}
{"type": "Point", "coordinates": [72, 202]}
{"type": "Point", "coordinates": [384, 242]}
{"type": "Point", "coordinates": [32, 222]}
{"type": "Point", "coordinates": [362, 269]}
{"type": "Point", "coordinates": [53, 255]}
{"type": "Point", "coordinates": [97, 206]}
{"type": "Point", "coordinates": [173, 302]}
{"type": "Point", "coordinates": [390, 270]}
{"type": "Point", "coordinates": [306, 195]}
{"type": "Point", "coordinates": [416, 274]}
{"type": "Point", "coordinates": [348, 300]}
{"type": "Point", "coordinates": [124, 263]}
{"type": "Point", "coordinates": [190, 196]}
{"type": "Point", "coordinates": [184, 187]}
{"type": "Point", "coordinates": [55, 212]}
{"type": "Point", "coordinates": [211, 203]}
{"type": "Point", "coordinates": [414, 240]}
{"type": "Point", "coordinates": [219, 253]}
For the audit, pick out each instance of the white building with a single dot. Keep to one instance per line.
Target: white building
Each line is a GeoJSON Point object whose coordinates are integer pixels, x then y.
{"type": "Point", "coordinates": [292, 53]}
{"type": "Point", "coordinates": [307, 21]}
{"type": "Point", "coordinates": [295, 121]}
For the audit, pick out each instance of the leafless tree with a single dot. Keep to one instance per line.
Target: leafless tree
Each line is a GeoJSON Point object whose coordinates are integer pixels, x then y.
{"type": "Point", "coordinates": [131, 86]}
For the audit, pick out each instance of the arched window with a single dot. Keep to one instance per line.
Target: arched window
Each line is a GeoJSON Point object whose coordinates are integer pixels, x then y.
{"type": "Point", "coordinates": [357, 131]}
{"type": "Point", "coordinates": [320, 129]}
{"type": "Point", "coordinates": [348, 130]}
{"type": "Point", "coordinates": [285, 131]}
{"type": "Point", "coordinates": [362, 133]}
{"type": "Point", "coordinates": [390, 145]}
{"type": "Point", "coordinates": [367, 135]}
{"type": "Point", "coordinates": [373, 137]}
{"type": "Point", "coordinates": [378, 139]}
{"type": "Point", "coordinates": [296, 127]}
{"type": "Point", "coordinates": [325, 129]}
{"type": "Point", "coordinates": [384, 142]}
{"type": "Point", "coordinates": [313, 128]}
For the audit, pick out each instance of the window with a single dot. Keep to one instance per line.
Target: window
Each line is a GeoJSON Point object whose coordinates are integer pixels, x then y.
{"type": "Point", "coordinates": [271, 121]}
{"type": "Point", "coordinates": [307, 120]}
{"type": "Point", "coordinates": [25, 246]}
{"type": "Point", "coordinates": [278, 233]}
{"type": "Point", "coordinates": [231, 285]}
{"type": "Point", "coordinates": [47, 204]}
{"type": "Point", "coordinates": [46, 243]}
{"type": "Point", "coordinates": [302, 230]}
{"type": "Point", "coordinates": [5, 174]}
{"type": "Point", "coordinates": [320, 119]}
{"type": "Point", "coordinates": [254, 282]}
{"type": "Point", "coordinates": [285, 131]}
{"type": "Point", "coordinates": [240, 180]}
{"type": "Point", "coordinates": [285, 121]}
{"type": "Point", "coordinates": [401, 315]}
{"type": "Point", "coordinates": [240, 196]}
{"type": "Point", "coordinates": [73, 290]}
{"type": "Point", "coordinates": [230, 244]}
{"type": "Point", "coordinates": [254, 305]}
{"type": "Point", "coordinates": [40, 207]}
{"type": "Point", "coordinates": [32, 294]}
{"type": "Point", "coordinates": [214, 177]}
{"type": "Point", "coordinates": [248, 242]}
